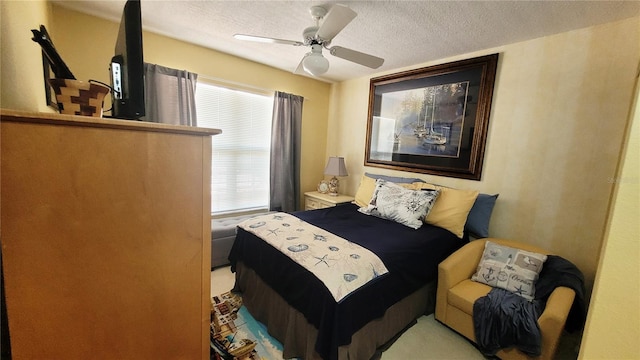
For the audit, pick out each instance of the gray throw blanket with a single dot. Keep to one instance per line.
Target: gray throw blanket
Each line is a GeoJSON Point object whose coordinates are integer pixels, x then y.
{"type": "Point", "coordinates": [503, 319]}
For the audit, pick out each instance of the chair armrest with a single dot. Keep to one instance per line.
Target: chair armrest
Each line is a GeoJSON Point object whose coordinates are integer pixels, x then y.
{"type": "Point", "coordinates": [457, 267]}
{"type": "Point", "coordinates": [553, 319]}
{"type": "Point", "coordinates": [460, 265]}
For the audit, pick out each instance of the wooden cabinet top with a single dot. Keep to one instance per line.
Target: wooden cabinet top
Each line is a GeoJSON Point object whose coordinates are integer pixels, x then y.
{"type": "Point", "coordinates": [88, 121]}
{"type": "Point", "coordinates": [339, 199]}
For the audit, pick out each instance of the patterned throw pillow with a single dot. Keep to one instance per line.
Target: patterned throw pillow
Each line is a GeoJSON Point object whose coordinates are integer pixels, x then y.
{"type": "Point", "coordinates": [405, 206]}
{"type": "Point", "coordinates": [368, 185]}
{"type": "Point", "coordinates": [509, 268]}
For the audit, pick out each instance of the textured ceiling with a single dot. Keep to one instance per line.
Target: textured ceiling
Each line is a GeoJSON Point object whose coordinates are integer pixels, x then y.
{"type": "Point", "coordinates": [404, 33]}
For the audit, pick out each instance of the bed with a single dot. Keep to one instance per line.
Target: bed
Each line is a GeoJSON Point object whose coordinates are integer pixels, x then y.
{"type": "Point", "coordinates": [301, 312]}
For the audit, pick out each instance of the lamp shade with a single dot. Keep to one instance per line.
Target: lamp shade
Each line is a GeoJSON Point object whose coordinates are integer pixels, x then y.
{"type": "Point", "coordinates": [335, 167]}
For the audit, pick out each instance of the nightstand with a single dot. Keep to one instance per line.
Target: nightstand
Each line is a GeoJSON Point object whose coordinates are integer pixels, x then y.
{"type": "Point", "coordinates": [316, 200]}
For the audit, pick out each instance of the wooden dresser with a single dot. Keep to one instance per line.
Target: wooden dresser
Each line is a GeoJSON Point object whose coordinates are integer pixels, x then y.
{"type": "Point", "coordinates": [105, 230]}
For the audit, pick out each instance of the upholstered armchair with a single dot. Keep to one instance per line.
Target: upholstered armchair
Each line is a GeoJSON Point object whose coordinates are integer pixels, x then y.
{"type": "Point", "coordinates": [457, 293]}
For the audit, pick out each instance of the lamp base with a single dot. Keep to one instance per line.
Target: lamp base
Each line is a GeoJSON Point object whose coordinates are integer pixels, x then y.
{"type": "Point", "coordinates": [333, 186]}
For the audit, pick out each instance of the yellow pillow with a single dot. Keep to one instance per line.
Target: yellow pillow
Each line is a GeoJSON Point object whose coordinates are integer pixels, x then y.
{"type": "Point", "coordinates": [451, 208]}
{"type": "Point", "coordinates": [367, 185]}
{"type": "Point", "coordinates": [365, 191]}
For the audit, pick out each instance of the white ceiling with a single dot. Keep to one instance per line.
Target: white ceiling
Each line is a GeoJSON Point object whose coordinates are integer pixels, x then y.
{"type": "Point", "coordinates": [404, 33]}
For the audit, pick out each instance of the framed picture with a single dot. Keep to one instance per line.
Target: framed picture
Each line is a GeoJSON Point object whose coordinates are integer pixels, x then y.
{"type": "Point", "coordinates": [323, 187]}
{"type": "Point", "coordinates": [432, 120]}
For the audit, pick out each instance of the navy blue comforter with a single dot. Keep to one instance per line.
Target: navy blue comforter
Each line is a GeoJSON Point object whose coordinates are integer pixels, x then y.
{"type": "Point", "coordinates": [411, 256]}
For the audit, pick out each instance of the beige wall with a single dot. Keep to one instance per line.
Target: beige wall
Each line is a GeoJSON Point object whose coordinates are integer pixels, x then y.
{"type": "Point", "coordinates": [613, 324]}
{"type": "Point", "coordinates": [21, 80]}
{"type": "Point", "coordinates": [555, 132]}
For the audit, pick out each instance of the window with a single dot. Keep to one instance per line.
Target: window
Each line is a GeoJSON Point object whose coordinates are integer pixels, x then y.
{"type": "Point", "coordinates": [240, 155]}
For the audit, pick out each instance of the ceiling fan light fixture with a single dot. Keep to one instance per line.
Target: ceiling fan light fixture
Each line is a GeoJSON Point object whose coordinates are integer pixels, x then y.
{"type": "Point", "coordinates": [314, 63]}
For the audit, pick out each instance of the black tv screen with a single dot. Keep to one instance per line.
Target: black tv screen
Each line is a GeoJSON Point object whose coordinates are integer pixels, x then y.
{"type": "Point", "coordinates": [127, 66]}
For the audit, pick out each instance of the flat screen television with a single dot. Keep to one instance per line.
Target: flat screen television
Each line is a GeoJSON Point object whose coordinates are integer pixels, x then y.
{"type": "Point", "coordinates": [127, 66]}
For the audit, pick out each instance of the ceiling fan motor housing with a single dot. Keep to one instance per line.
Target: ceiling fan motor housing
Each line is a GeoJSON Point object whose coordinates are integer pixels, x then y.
{"type": "Point", "coordinates": [309, 35]}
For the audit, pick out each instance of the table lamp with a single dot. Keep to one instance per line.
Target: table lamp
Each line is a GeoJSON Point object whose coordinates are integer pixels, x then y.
{"type": "Point", "coordinates": [335, 167]}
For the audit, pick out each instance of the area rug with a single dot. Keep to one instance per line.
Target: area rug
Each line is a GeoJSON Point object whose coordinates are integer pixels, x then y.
{"type": "Point", "coordinates": [236, 335]}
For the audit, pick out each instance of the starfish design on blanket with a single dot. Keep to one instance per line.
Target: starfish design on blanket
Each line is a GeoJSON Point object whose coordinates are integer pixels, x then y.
{"type": "Point", "coordinates": [322, 260]}
{"type": "Point", "coordinates": [274, 231]}
{"type": "Point", "coordinates": [520, 290]}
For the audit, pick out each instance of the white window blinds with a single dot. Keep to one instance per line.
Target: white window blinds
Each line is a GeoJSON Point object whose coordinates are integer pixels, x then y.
{"type": "Point", "coordinates": [240, 155]}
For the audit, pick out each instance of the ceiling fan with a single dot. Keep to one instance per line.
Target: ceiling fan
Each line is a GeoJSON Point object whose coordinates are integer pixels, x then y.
{"type": "Point", "coordinates": [328, 25]}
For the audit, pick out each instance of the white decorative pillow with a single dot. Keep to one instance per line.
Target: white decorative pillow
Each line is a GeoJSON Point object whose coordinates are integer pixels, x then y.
{"type": "Point", "coordinates": [509, 268]}
{"type": "Point", "coordinates": [405, 206]}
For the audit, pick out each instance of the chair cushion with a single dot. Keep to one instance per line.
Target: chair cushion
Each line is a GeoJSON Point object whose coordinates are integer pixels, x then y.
{"type": "Point", "coordinates": [463, 295]}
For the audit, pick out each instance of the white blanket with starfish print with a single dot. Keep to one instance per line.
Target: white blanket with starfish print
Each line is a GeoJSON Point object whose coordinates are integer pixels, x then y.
{"type": "Point", "coordinates": [341, 265]}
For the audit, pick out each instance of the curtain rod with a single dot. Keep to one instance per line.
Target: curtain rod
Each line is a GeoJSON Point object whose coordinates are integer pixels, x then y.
{"type": "Point", "coordinates": [235, 85]}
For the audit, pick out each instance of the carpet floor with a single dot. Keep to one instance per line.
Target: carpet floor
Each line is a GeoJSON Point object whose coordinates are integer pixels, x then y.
{"type": "Point", "coordinates": [428, 339]}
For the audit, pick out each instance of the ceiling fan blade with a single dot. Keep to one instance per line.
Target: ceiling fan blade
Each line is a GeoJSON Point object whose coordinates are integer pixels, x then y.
{"type": "Point", "coordinates": [267, 40]}
{"type": "Point", "coordinates": [336, 19]}
{"type": "Point", "coordinates": [357, 57]}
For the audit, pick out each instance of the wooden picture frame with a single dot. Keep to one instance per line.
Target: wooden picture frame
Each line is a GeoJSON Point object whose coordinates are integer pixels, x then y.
{"type": "Point", "coordinates": [432, 120]}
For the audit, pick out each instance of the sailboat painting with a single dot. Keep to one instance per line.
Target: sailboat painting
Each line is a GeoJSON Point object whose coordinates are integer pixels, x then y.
{"type": "Point", "coordinates": [422, 121]}
{"type": "Point", "coordinates": [432, 120]}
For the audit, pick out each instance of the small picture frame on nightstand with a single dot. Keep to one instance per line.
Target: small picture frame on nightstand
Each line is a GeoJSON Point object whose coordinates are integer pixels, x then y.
{"type": "Point", "coordinates": [323, 187]}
